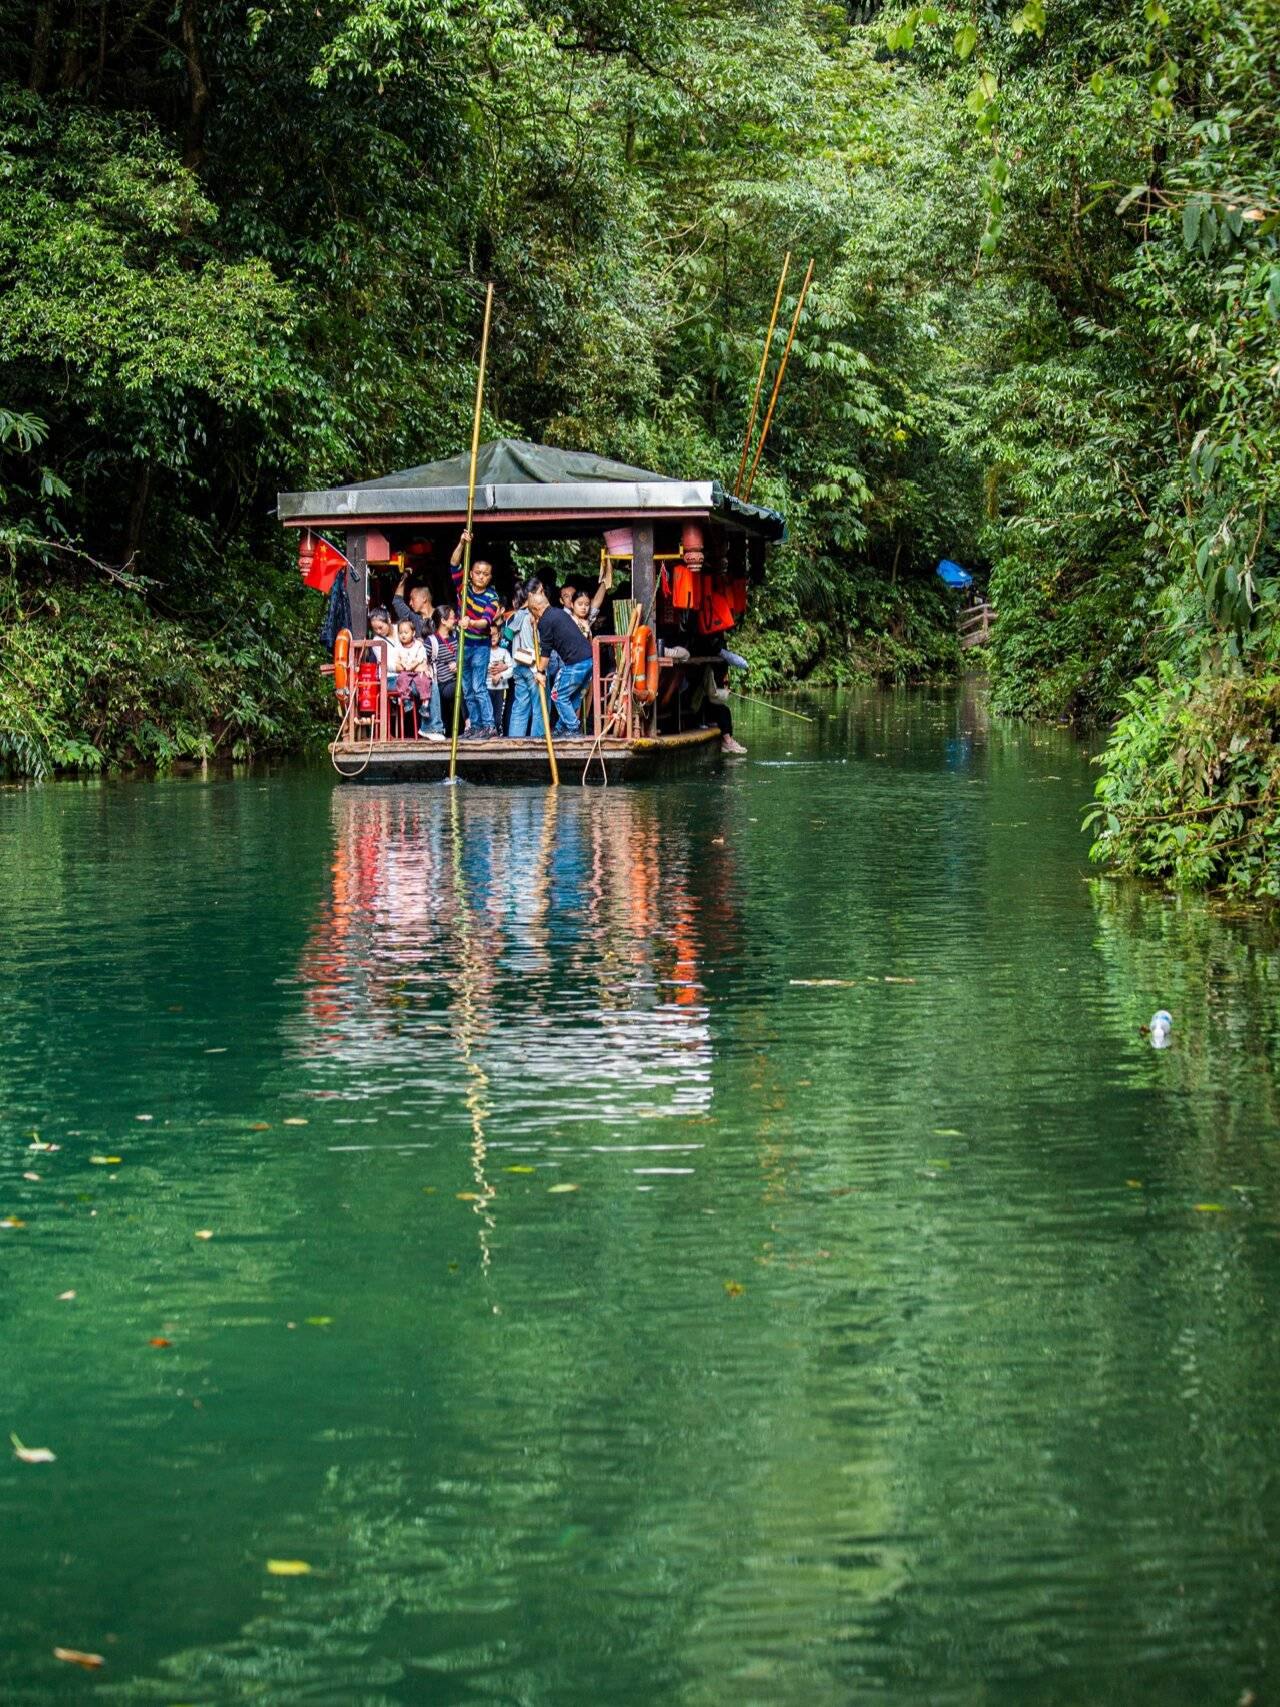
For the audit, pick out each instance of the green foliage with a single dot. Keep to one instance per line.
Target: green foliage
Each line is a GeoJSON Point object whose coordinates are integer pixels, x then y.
{"type": "Point", "coordinates": [1191, 785]}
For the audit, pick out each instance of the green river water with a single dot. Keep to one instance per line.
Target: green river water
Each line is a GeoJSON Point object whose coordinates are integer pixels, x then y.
{"type": "Point", "coordinates": [906, 1338]}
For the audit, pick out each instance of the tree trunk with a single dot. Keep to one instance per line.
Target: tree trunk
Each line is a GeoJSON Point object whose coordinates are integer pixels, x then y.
{"type": "Point", "coordinates": [193, 153]}
{"type": "Point", "coordinates": [41, 41]}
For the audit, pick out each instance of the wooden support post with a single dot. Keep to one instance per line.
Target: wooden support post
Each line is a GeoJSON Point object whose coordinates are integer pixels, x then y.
{"type": "Point", "coordinates": [357, 584]}
{"type": "Point", "coordinates": [643, 591]}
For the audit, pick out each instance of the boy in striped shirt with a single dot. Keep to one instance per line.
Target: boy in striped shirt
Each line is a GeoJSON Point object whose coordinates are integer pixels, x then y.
{"type": "Point", "coordinates": [477, 618]}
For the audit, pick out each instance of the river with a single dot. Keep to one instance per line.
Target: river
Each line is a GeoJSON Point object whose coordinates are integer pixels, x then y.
{"type": "Point", "coordinates": [725, 1241]}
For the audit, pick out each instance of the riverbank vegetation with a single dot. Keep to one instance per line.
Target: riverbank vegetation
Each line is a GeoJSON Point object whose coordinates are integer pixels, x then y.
{"type": "Point", "coordinates": [241, 250]}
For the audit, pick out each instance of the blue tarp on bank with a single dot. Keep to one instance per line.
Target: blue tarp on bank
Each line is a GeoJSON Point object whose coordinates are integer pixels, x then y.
{"type": "Point", "coordinates": [953, 575]}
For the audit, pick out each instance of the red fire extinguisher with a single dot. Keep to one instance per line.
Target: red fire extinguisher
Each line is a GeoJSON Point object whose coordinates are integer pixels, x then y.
{"type": "Point", "coordinates": [368, 677]}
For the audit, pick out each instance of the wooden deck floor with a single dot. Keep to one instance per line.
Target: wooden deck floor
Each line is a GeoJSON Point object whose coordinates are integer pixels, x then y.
{"type": "Point", "coordinates": [504, 761]}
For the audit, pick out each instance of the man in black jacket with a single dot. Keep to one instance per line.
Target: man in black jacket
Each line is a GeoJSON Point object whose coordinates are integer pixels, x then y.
{"type": "Point", "coordinates": [558, 632]}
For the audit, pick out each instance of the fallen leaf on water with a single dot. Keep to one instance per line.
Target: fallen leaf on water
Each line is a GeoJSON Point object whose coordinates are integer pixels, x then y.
{"type": "Point", "coordinates": [734, 1288]}
{"type": "Point", "coordinates": [204, 1233]}
{"type": "Point", "coordinates": [1133, 1184]}
{"type": "Point", "coordinates": [933, 1162]}
{"type": "Point", "coordinates": [566, 1187]}
{"type": "Point", "coordinates": [520, 1168]}
{"type": "Point", "coordinates": [319, 1321]}
{"type": "Point", "coordinates": [159, 1340]}
{"type": "Point", "coordinates": [823, 983]}
{"type": "Point", "coordinates": [946, 1132]}
{"type": "Point", "coordinates": [468, 1197]}
{"type": "Point", "coordinates": [105, 1161]}
{"type": "Point", "coordinates": [1210, 1208]}
{"type": "Point", "coordinates": [288, 1567]}
{"type": "Point", "coordinates": [73, 1656]}
{"type": "Point", "coordinates": [429, 1190]}
{"type": "Point", "coordinates": [221, 1051]}
{"type": "Point", "coordinates": [144, 1117]}
{"type": "Point", "coordinates": [260, 1126]}
{"type": "Point", "coordinates": [31, 1176]}
{"type": "Point", "coordinates": [294, 1120]}
{"type": "Point", "coordinates": [899, 980]}
{"type": "Point", "coordinates": [39, 1144]}
{"type": "Point", "coordinates": [12, 1221]}
{"type": "Point", "coordinates": [65, 1297]}
{"type": "Point", "coordinates": [32, 1454]}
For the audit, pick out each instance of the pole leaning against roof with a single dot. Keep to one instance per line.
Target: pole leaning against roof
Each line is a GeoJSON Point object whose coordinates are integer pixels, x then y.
{"type": "Point", "coordinates": [777, 384]}
{"type": "Point", "coordinates": [764, 362]}
{"type": "Point", "coordinates": [458, 691]}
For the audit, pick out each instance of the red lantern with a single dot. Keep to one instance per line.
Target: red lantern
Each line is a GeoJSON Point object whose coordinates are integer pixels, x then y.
{"type": "Point", "coordinates": [318, 562]}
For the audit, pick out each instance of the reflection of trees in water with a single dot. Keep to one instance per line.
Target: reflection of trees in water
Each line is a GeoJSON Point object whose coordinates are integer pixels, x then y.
{"type": "Point", "coordinates": [1218, 975]}
{"type": "Point", "coordinates": [554, 938]}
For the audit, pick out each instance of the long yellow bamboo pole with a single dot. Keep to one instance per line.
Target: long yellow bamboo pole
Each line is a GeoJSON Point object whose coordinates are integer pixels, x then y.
{"type": "Point", "coordinates": [458, 693]}
{"type": "Point", "coordinates": [764, 362]}
{"type": "Point", "coordinates": [777, 384]}
{"type": "Point", "coordinates": [542, 701]}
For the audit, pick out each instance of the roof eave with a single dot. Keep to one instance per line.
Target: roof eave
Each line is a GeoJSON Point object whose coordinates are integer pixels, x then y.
{"type": "Point", "coordinates": [611, 501]}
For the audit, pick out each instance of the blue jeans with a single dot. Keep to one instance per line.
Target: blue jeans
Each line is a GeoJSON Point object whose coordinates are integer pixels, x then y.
{"type": "Point", "coordinates": [572, 681]}
{"type": "Point", "coordinates": [439, 704]}
{"type": "Point", "coordinates": [524, 705]}
{"type": "Point", "coordinates": [475, 681]}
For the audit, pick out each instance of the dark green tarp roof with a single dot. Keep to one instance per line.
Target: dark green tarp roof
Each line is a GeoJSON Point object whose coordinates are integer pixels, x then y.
{"type": "Point", "coordinates": [512, 462]}
{"type": "Point", "coordinates": [536, 485]}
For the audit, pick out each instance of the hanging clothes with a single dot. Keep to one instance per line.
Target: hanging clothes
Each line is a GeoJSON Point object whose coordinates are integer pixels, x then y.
{"type": "Point", "coordinates": [337, 614]}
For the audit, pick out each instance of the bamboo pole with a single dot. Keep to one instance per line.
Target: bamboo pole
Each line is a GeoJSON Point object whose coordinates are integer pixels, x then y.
{"type": "Point", "coordinates": [777, 384]}
{"type": "Point", "coordinates": [458, 692]}
{"type": "Point", "coordinates": [756, 700]}
{"type": "Point", "coordinates": [764, 362]}
{"type": "Point", "coordinates": [542, 701]}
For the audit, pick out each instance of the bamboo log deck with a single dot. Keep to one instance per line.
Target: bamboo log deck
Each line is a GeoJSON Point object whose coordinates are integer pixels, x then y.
{"type": "Point", "coordinates": [504, 761]}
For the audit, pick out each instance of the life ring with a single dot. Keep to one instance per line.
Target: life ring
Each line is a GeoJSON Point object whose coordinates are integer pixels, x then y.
{"type": "Point", "coordinates": [342, 664]}
{"type": "Point", "coordinates": [644, 666]}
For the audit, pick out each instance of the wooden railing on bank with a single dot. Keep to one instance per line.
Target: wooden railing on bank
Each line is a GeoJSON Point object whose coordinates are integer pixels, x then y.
{"type": "Point", "coordinates": [973, 625]}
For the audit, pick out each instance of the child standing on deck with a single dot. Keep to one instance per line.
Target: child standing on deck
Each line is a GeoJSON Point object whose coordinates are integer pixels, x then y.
{"type": "Point", "coordinates": [482, 611]}
{"type": "Point", "coordinates": [525, 719]}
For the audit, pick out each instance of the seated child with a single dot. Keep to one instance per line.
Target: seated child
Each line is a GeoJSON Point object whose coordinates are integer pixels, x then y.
{"type": "Point", "coordinates": [409, 669]}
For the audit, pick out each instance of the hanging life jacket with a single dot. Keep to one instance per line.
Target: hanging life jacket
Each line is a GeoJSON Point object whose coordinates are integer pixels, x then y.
{"type": "Point", "coordinates": [715, 614]}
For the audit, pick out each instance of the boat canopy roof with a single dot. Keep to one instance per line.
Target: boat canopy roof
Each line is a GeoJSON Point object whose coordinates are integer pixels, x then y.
{"type": "Point", "coordinates": [526, 484]}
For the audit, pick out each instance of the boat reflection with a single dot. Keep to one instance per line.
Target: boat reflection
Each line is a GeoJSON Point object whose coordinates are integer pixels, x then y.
{"type": "Point", "coordinates": [552, 942]}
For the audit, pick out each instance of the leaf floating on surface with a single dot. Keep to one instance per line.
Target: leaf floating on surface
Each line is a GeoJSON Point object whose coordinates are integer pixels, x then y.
{"type": "Point", "coordinates": [734, 1288]}
{"type": "Point", "coordinates": [204, 1233]}
{"type": "Point", "coordinates": [1209, 1208]}
{"type": "Point", "coordinates": [73, 1656]}
{"type": "Point", "coordinates": [288, 1568]}
{"type": "Point", "coordinates": [520, 1168]}
{"type": "Point", "coordinates": [32, 1454]}
{"type": "Point", "coordinates": [1134, 1184]}
{"type": "Point", "coordinates": [295, 1120]}
{"type": "Point", "coordinates": [553, 1188]}
{"type": "Point", "coordinates": [823, 983]}
{"type": "Point", "coordinates": [468, 1197]}
{"type": "Point", "coordinates": [319, 1321]}
{"type": "Point", "coordinates": [160, 1341]}
{"type": "Point", "coordinates": [106, 1161]}
{"type": "Point", "coordinates": [946, 1132]}
{"type": "Point", "coordinates": [12, 1221]}
{"type": "Point", "coordinates": [65, 1297]}
{"type": "Point", "coordinates": [260, 1126]}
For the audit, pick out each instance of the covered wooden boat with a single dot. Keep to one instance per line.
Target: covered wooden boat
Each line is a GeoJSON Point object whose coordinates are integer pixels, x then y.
{"type": "Point", "coordinates": [653, 528]}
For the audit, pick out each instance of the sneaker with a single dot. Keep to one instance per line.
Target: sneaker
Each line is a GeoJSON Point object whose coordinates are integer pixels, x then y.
{"type": "Point", "coordinates": [489, 733]}
{"type": "Point", "coordinates": [433, 735]}
{"type": "Point", "coordinates": [729, 745]}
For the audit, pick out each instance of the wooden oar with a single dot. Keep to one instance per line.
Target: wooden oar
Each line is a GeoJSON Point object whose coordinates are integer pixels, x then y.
{"type": "Point", "coordinates": [542, 700]}
{"type": "Point", "coordinates": [764, 362]}
{"type": "Point", "coordinates": [777, 384]}
{"type": "Point", "coordinates": [458, 693]}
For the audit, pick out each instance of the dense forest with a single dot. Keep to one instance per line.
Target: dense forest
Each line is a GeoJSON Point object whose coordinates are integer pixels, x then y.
{"type": "Point", "coordinates": [243, 248]}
